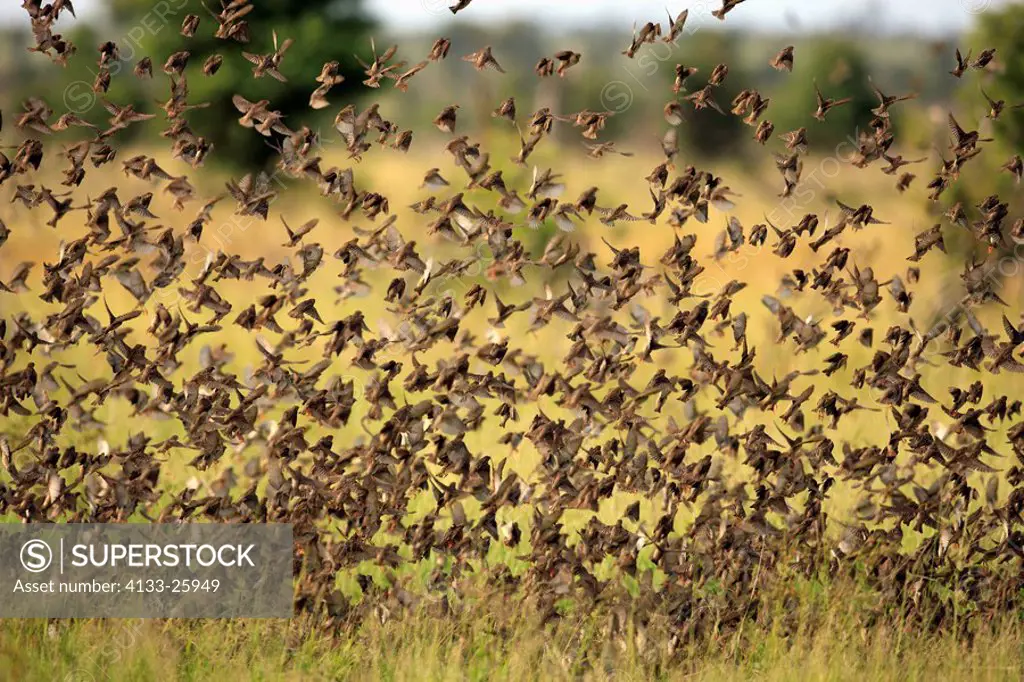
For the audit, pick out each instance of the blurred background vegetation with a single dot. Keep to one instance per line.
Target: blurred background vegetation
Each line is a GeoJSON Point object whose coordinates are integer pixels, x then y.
{"type": "Point", "coordinates": [844, 63]}
{"type": "Point", "coordinates": [1004, 31]}
{"type": "Point", "coordinates": [324, 30]}
{"type": "Point", "coordinates": [319, 28]}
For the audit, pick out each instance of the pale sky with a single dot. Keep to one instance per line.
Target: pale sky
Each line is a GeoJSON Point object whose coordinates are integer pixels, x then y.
{"type": "Point", "coordinates": [931, 16]}
{"type": "Point", "coordinates": [925, 16]}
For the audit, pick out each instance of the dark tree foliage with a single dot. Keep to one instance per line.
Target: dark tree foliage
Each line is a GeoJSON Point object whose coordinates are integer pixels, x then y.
{"type": "Point", "coordinates": [839, 69]}
{"type": "Point", "coordinates": [1003, 80]}
{"type": "Point", "coordinates": [1004, 31]}
{"type": "Point", "coordinates": [323, 30]}
{"type": "Point", "coordinates": [708, 132]}
{"type": "Point", "coordinates": [984, 175]}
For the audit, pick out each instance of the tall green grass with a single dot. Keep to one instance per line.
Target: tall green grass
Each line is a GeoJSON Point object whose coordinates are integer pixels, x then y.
{"type": "Point", "coordinates": [811, 631]}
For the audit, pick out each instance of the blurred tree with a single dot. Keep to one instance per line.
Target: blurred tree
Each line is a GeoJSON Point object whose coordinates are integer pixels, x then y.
{"type": "Point", "coordinates": [840, 70]}
{"type": "Point", "coordinates": [1002, 29]}
{"type": "Point", "coordinates": [707, 132]}
{"type": "Point", "coordinates": [323, 30]}
{"type": "Point", "coordinates": [984, 175]}
{"type": "Point", "coordinates": [638, 89]}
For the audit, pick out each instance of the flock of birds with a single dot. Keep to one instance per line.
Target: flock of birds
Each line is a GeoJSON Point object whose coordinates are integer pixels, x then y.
{"type": "Point", "coordinates": [676, 440]}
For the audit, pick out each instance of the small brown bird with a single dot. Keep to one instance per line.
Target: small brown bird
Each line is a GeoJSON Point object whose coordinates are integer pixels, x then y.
{"type": "Point", "coordinates": [545, 67]}
{"type": "Point", "coordinates": [109, 54]}
{"type": "Point", "coordinates": [403, 141]}
{"type": "Point", "coordinates": [176, 63]}
{"type": "Point", "coordinates": [587, 200]}
{"type": "Point", "coordinates": [434, 181]}
{"type": "Point", "coordinates": [402, 81]}
{"type": "Point", "coordinates": [925, 241]}
{"type": "Point", "coordinates": [566, 59]}
{"type": "Point", "coordinates": [482, 59]}
{"type": "Point", "coordinates": [295, 237]}
{"type": "Point", "coordinates": [459, 6]}
{"type": "Point", "coordinates": [212, 64]}
{"type": "Point", "coordinates": [673, 113]}
{"type": "Point", "coordinates": [69, 119]}
{"type": "Point", "coordinates": [445, 121]}
{"type": "Point", "coordinates": [764, 131]}
{"type": "Point", "coordinates": [897, 162]}
{"type": "Point", "coordinates": [379, 67]}
{"type": "Point", "coordinates": [704, 98]}
{"type": "Point", "coordinates": [649, 33]}
{"type": "Point", "coordinates": [903, 183]}
{"type": "Point", "coordinates": [596, 151]}
{"type": "Point", "coordinates": [676, 26]}
{"type": "Point", "coordinates": [269, 64]}
{"type": "Point", "coordinates": [962, 63]}
{"type": "Point", "coordinates": [330, 75]}
{"type": "Point", "coordinates": [718, 74]}
{"type": "Point", "coordinates": [996, 106]}
{"type": "Point", "coordinates": [886, 101]}
{"type": "Point", "coordinates": [190, 25]}
{"type": "Point", "coordinates": [318, 98]}
{"type": "Point", "coordinates": [682, 74]}
{"type": "Point", "coordinates": [783, 61]}
{"type": "Point", "coordinates": [964, 141]}
{"type": "Point", "coordinates": [825, 104]}
{"type": "Point", "coordinates": [727, 6]}
{"type": "Point", "coordinates": [506, 110]}
{"type": "Point", "coordinates": [439, 50]}
{"type": "Point", "coordinates": [984, 59]}
{"type": "Point", "coordinates": [144, 68]}
{"type": "Point", "coordinates": [1014, 166]}
{"type": "Point", "coordinates": [620, 212]}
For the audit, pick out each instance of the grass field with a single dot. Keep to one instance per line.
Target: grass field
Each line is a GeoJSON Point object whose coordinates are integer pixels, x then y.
{"type": "Point", "coordinates": [828, 639]}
